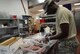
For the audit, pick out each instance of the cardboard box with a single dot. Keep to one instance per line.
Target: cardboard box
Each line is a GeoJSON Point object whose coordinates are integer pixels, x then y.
{"type": "Point", "coordinates": [10, 49]}
{"type": "Point", "coordinates": [19, 51]}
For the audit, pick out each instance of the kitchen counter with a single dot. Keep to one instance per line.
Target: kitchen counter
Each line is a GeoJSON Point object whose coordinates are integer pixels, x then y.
{"type": "Point", "coordinates": [51, 47]}
{"type": "Point", "coordinates": [48, 48]}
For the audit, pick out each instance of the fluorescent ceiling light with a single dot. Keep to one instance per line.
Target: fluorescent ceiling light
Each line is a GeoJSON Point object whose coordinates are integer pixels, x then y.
{"type": "Point", "coordinates": [77, 4]}
{"type": "Point", "coordinates": [60, 5]}
{"type": "Point", "coordinates": [40, 1]}
{"type": "Point", "coordinates": [41, 10]}
{"type": "Point", "coordinates": [77, 8]}
{"type": "Point", "coordinates": [37, 17]}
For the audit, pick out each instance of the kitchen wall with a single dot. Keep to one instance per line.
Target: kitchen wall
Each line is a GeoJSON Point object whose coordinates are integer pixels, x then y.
{"type": "Point", "coordinates": [77, 18]}
{"type": "Point", "coordinates": [13, 7]}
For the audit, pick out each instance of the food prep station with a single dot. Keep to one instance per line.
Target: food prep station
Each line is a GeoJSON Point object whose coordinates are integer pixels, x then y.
{"type": "Point", "coordinates": [34, 45]}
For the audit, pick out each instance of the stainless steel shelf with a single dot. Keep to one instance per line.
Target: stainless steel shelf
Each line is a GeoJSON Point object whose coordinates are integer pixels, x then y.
{"type": "Point", "coordinates": [50, 23]}
{"type": "Point", "coordinates": [23, 27]}
{"type": "Point", "coordinates": [8, 27]}
{"type": "Point", "coordinates": [48, 16]}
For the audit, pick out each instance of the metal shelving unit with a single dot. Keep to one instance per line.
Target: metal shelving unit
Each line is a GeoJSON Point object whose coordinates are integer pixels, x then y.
{"type": "Point", "coordinates": [8, 28]}
{"type": "Point", "coordinates": [13, 27]}
{"type": "Point", "coordinates": [23, 26]}
{"type": "Point", "coordinates": [50, 21]}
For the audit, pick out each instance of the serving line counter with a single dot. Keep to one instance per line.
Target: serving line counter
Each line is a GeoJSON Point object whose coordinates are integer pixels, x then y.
{"type": "Point", "coordinates": [34, 45]}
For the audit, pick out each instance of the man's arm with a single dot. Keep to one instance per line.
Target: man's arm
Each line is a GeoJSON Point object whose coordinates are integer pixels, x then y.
{"type": "Point", "coordinates": [54, 33]}
{"type": "Point", "coordinates": [64, 32]}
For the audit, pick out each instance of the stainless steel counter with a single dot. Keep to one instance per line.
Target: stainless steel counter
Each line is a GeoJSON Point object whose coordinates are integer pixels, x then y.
{"type": "Point", "coordinates": [45, 47]}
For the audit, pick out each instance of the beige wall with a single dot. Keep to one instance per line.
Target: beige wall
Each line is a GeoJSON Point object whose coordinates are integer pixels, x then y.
{"type": "Point", "coordinates": [13, 7]}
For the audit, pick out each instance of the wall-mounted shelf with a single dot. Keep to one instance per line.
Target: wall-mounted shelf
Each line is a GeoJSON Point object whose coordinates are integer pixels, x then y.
{"type": "Point", "coordinates": [9, 27]}
{"type": "Point", "coordinates": [23, 28]}
{"type": "Point", "coordinates": [48, 16]}
{"type": "Point", "coordinates": [50, 23]}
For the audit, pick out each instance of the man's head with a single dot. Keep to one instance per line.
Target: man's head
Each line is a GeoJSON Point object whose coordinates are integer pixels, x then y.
{"type": "Point", "coordinates": [50, 7]}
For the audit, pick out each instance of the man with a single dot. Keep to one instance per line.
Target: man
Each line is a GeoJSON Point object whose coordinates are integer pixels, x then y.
{"type": "Point", "coordinates": [65, 27]}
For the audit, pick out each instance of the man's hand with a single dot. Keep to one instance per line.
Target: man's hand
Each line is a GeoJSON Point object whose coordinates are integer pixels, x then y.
{"type": "Point", "coordinates": [45, 40]}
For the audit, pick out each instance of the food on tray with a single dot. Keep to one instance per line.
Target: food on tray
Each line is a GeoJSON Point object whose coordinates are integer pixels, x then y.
{"type": "Point", "coordinates": [31, 42]}
{"type": "Point", "coordinates": [35, 48]}
{"type": "Point", "coordinates": [24, 46]}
